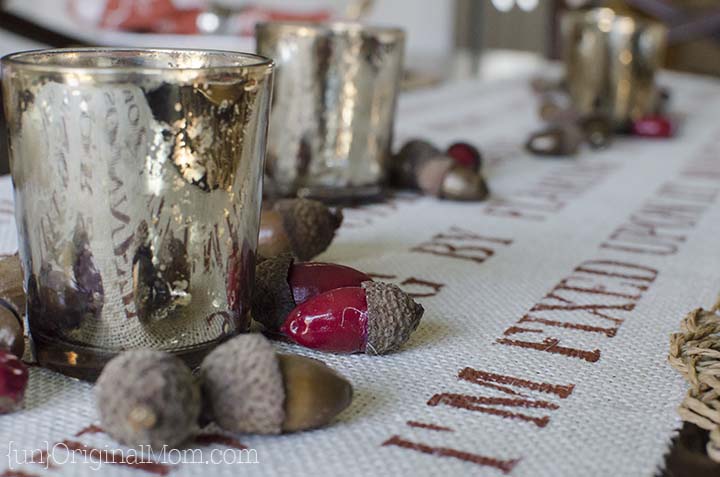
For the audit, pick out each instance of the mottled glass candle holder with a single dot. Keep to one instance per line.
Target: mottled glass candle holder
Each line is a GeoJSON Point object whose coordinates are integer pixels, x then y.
{"type": "Point", "coordinates": [333, 107]}
{"type": "Point", "coordinates": [138, 185]}
{"type": "Point", "coordinates": [611, 61]}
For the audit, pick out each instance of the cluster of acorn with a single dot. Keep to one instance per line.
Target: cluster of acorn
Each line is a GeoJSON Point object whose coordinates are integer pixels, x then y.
{"type": "Point", "coordinates": [148, 397]}
{"type": "Point", "coordinates": [358, 314]}
{"type": "Point", "coordinates": [455, 174]}
{"type": "Point", "coordinates": [302, 227]}
{"type": "Point", "coordinates": [13, 372]}
{"type": "Point", "coordinates": [566, 129]}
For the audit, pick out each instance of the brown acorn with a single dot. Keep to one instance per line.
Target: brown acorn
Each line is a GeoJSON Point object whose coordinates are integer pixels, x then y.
{"type": "Point", "coordinates": [249, 388]}
{"type": "Point", "coordinates": [557, 140]}
{"type": "Point", "coordinates": [148, 397]}
{"type": "Point", "coordinates": [442, 177]}
{"type": "Point", "coordinates": [405, 163]}
{"type": "Point", "coordinates": [12, 306]}
{"type": "Point", "coordinates": [302, 227]}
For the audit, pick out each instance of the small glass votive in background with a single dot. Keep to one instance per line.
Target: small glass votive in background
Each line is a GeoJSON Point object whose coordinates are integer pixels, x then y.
{"type": "Point", "coordinates": [138, 176]}
{"type": "Point", "coordinates": [610, 62]}
{"type": "Point", "coordinates": [333, 109]}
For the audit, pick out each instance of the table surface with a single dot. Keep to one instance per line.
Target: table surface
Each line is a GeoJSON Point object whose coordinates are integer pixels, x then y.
{"type": "Point", "coordinates": [548, 310]}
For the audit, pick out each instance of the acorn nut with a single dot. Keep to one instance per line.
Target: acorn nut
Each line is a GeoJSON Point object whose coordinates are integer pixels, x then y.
{"type": "Point", "coordinates": [375, 318]}
{"type": "Point", "coordinates": [406, 162]}
{"type": "Point", "coordinates": [465, 154]}
{"type": "Point", "coordinates": [249, 388]}
{"type": "Point", "coordinates": [302, 227]}
{"type": "Point", "coordinates": [281, 284]}
{"type": "Point", "coordinates": [148, 397]}
{"type": "Point", "coordinates": [13, 382]}
{"type": "Point", "coordinates": [442, 177]}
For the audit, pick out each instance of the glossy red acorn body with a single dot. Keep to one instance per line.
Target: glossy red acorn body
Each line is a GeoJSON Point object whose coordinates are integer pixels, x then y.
{"type": "Point", "coordinates": [653, 126]}
{"type": "Point", "coordinates": [335, 321]}
{"type": "Point", "coordinates": [281, 284]}
{"type": "Point", "coordinates": [309, 279]}
{"type": "Point", "coordinates": [13, 381]}
{"type": "Point", "coordinates": [465, 155]}
{"type": "Point", "coordinates": [374, 318]}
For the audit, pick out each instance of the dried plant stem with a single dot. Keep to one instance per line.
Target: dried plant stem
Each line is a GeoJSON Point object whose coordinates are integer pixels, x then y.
{"type": "Point", "coordinates": [695, 353]}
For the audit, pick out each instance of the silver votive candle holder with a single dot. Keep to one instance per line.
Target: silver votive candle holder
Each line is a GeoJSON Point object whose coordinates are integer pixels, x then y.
{"type": "Point", "coordinates": [138, 185]}
{"type": "Point", "coordinates": [333, 109]}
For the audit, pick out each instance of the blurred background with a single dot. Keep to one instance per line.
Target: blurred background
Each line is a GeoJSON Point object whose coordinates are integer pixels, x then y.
{"type": "Point", "coordinates": [447, 39]}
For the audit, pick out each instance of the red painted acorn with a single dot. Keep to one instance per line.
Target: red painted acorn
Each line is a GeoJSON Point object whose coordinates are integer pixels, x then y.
{"type": "Point", "coordinates": [465, 155]}
{"type": "Point", "coordinates": [281, 284]}
{"type": "Point", "coordinates": [653, 126]}
{"type": "Point", "coordinates": [374, 318]}
{"type": "Point", "coordinates": [13, 381]}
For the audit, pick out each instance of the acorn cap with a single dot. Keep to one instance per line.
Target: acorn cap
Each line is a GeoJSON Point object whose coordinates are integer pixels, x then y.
{"type": "Point", "coordinates": [314, 393]}
{"type": "Point", "coordinates": [243, 385]}
{"type": "Point", "coordinates": [272, 299]}
{"type": "Point", "coordinates": [148, 397]}
{"type": "Point", "coordinates": [461, 183]}
{"type": "Point", "coordinates": [310, 225]}
{"type": "Point", "coordinates": [392, 317]}
{"type": "Point", "coordinates": [431, 174]}
{"type": "Point", "coordinates": [405, 164]}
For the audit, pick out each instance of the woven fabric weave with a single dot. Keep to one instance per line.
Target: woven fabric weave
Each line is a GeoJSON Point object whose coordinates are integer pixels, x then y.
{"type": "Point", "coordinates": [548, 309]}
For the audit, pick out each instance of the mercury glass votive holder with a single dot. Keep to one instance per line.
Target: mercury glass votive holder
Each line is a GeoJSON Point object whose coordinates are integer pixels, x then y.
{"type": "Point", "coordinates": [611, 61]}
{"type": "Point", "coordinates": [333, 107]}
{"type": "Point", "coordinates": [138, 185]}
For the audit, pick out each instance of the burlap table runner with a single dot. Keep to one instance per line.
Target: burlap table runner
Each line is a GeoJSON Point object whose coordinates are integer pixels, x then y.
{"type": "Point", "coordinates": [548, 310]}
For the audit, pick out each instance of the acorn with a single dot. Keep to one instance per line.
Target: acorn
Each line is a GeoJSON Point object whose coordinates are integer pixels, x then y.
{"type": "Point", "coordinates": [404, 164]}
{"type": "Point", "coordinates": [148, 397]}
{"type": "Point", "coordinates": [374, 318]}
{"type": "Point", "coordinates": [13, 382]}
{"type": "Point", "coordinates": [249, 388]}
{"type": "Point", "coordinates": [302, 227]}
{"type": "Point", "coordinates": [556, 140]}
{"type": "Point", "coordinates": [465, 154]}
{"type": "Point", "coordinates": [653, 126]}
{"type": "Point", "coordinates": [442, 177]}
{"type": "Point", "coordinates": [12, 306]}
{"type": "Point", "coordinates": [281, 284]}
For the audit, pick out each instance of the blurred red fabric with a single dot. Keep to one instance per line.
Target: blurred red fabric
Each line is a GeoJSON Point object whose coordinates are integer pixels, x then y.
{"type": "Point", "coordinates": [163, 16]}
